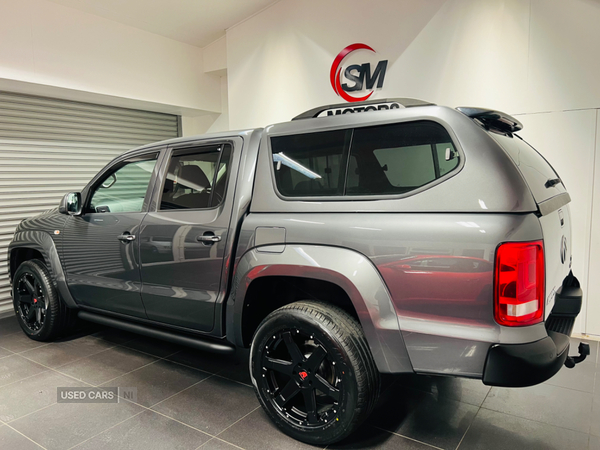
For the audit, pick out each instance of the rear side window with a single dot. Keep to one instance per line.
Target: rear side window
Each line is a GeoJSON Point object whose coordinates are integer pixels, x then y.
{"type": "Point", "coordinates": [196, 178]}
{"type": "Point", "coordinates": [381, 160]}
{"type": "Point", "coordinates": [310, 165]}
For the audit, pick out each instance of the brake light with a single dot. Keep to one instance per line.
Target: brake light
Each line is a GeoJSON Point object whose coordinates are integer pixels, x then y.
{"type": "Point", "coordinates": [519, 283]}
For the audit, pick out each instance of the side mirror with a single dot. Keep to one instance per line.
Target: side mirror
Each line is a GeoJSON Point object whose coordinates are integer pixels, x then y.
{"type": "Point", "coordinates": [70, 204]}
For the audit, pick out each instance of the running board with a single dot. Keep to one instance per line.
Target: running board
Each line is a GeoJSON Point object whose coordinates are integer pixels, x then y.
{"type": "Point", "coordinates": [194, 342]}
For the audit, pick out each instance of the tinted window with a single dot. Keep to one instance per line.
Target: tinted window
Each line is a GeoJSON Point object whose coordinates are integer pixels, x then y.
{"type": "Point", "coordinates": [309, 165]}
{"type": "Point", "coordinates": [196, 178]}
{"type": "Point", "coordinates": [394, 159]}
{"type": "Point", "coordinates": [124, 188]}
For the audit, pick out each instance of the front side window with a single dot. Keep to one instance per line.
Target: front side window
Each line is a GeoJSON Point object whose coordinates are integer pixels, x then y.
{"type": "Point", "coordinates": [123, 189]}
{"type": "Point", "coordinates": [381, 160]}
{"type": "Point", "coordinates": [196, 178]}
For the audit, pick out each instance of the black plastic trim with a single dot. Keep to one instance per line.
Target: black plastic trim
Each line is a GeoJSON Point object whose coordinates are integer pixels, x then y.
{"type": "Point", "coordinates": [194, 342]}
{"type": "Point", "coordinates": [495, 120]}
{"type": "Point", "coordinates": [522, 365]}
{"type": "Point", "coordinates": [406, 102]}
{"type": "Point", "coordinates": [552, 204]}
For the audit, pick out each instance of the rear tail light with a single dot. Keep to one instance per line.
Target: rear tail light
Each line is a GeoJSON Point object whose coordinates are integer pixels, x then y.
{"type": "Point", "coordinates": [519, 284]}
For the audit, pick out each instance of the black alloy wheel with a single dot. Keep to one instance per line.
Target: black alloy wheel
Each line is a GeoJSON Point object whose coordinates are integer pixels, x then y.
{"type": "Point", "coordinates": [31, 301]}
{"type": "Point", "coordinates": [313, 371]}
{"type": "Point", "coordinates": [301, 378]}
{"type": "Point", "coordinates": [39, 310]}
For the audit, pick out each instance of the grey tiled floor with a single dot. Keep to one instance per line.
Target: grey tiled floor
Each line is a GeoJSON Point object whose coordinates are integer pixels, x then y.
{"type": "Point", "coordinates": [189, 400]}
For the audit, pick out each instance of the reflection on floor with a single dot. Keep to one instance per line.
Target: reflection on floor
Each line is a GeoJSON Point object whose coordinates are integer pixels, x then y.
{"type": "Point", "coordinates": [188, 399]}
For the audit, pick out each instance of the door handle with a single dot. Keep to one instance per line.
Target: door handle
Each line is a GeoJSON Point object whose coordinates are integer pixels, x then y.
{"type": "Point", "coordinates": [208, 238]}
{"type": "Point", "coordinates": [126, 237]}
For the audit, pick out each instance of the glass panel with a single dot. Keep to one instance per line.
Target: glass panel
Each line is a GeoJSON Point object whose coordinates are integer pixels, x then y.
{"type": "Point", "coordinates": [190, 178]}
{"type": "Point", "coordinates": [124, 189]}
{"type": "Point", "coordinates": [309, 165]}
{"type": "Point", "coordinates": [221, 179]}
{"type": "Point", "coordinates": [398, 158]}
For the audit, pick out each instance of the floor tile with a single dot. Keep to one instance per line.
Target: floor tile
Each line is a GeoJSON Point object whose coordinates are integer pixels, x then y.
{"type": "Point", "coordinates": [257, 432]}
{"type": "Point", "coordinates": [216, 444]}
{"type": "Point", "coordinates": [14, 368]}
{"type": "Point", "coordinates": [68, 424]}
{"type": "Point", "coordinates": [19, 342]}
{"type": "Point", "coordinates": [147, 431]}
{"type": "Point", "coordinates": [428, 418]}
{"type": "Point", "coordinates": [32, 394]}
{"type": "Point", "coordinates": [115, 335]}
{"type": "Point", "coordinates": [10, 439]}
{"type": "Point", "coordinates": [544, 403]}
{"type": "Point", "coordinates": [152, 346]}
{"type": "Point", "coordinates": [62, 352]}
{"type": "Point", "coordinates": [494, 431]}
{"type": "Point", "coordinates": [9, 325]}
{"type": "Point", "coordinates": [107, 365]}
{"type": "Point", "coordinates": [159, 381]}
{"type": "Point", "coordinates": [4, 352]}
{"type": "Point", "coordinates": [212, 405]}
{"type": "Point", "coordinates": [368, 437]}
{"type": "Point", "coordinates": [463, 390]}
{"type": "Point", "coordinates": [595, 416]}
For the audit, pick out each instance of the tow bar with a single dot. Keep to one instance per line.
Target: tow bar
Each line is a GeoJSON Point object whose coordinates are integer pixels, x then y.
{"type": "Point", "coordinates": [584, 350]}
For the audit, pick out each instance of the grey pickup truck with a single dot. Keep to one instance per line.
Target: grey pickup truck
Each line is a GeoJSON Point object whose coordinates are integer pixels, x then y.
{"type": "Point", "coordinates": [391, 236]}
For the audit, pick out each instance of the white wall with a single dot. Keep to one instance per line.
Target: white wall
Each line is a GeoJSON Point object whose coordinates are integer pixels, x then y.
{"type": "Point", "coordinates": [593, 313]}
{"type": "Point", "coordinates": [46, 48]}
{"type": "Point", "coordinates": [536, 58]}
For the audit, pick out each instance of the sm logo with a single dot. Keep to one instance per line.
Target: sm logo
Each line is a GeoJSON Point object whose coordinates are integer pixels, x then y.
{"type": "Point", "coordinates": [358, 77]}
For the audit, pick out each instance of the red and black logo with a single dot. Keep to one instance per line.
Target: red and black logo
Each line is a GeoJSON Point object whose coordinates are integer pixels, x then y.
{"type": "Point", "coordinates": [359, 74]}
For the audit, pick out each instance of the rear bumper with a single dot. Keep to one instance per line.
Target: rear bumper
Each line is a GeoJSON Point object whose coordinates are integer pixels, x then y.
{"type": "Point", "coordinates": [523, 365]}
{"type": "Point", "coordinates": [520, 365]}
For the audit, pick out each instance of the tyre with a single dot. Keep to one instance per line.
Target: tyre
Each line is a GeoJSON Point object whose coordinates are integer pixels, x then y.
{"type": "Point", "coordinates": [40, 312]}
{"type": "Point", "coordinates": [313, 371]}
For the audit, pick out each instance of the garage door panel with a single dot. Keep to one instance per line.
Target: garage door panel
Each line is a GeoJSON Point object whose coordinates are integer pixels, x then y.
{"type": "Point", "coordinates": [49, 147]}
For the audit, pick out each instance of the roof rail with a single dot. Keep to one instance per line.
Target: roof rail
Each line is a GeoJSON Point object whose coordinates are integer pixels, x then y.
{"type": "Point", "coordinates": [494, 120]}
{"type": "Point", "coordinates": [369, 105]}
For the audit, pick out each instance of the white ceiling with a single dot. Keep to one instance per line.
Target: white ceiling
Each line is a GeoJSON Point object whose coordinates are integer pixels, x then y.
{"type": "Point", "coordinates": [195, 22]}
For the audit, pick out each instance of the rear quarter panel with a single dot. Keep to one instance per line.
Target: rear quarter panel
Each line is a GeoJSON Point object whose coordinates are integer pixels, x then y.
{"type": "Point", "coordinates": [446, 317]}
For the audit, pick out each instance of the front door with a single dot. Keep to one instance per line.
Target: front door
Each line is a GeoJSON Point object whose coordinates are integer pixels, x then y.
{"type": "Point", "coordinates": [101, 247]}
{"type": "Point", "coordinates": [183, 243]}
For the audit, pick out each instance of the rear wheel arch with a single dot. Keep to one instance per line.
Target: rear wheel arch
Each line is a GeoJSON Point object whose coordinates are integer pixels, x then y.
{"type": "Point", "coordinates": [350, 280]}
{"type": "Point", "coordinates": [284, 290]}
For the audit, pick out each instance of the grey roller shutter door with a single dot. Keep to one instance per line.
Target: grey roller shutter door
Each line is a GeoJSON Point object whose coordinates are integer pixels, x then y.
{"type": "Point", "coordinates": [49, 147]}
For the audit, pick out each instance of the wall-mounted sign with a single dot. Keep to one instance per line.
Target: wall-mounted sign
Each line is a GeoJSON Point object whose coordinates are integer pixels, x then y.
{"type": "Point", "coordinates": [356, 77]}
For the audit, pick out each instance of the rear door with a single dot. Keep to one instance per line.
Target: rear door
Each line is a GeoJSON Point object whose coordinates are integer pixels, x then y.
{"type": "Point", "coordinates": [183, 242]}
{"type": "Point", "coordinates": [553, 201]}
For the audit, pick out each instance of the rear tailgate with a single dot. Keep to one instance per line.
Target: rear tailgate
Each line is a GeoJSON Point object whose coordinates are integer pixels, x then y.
{"type": "Point", "coordinates": [553, 201]}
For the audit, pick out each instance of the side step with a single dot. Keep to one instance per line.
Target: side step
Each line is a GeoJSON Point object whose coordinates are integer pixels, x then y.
{"type": "Point", "coordinates": [197, 343]}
